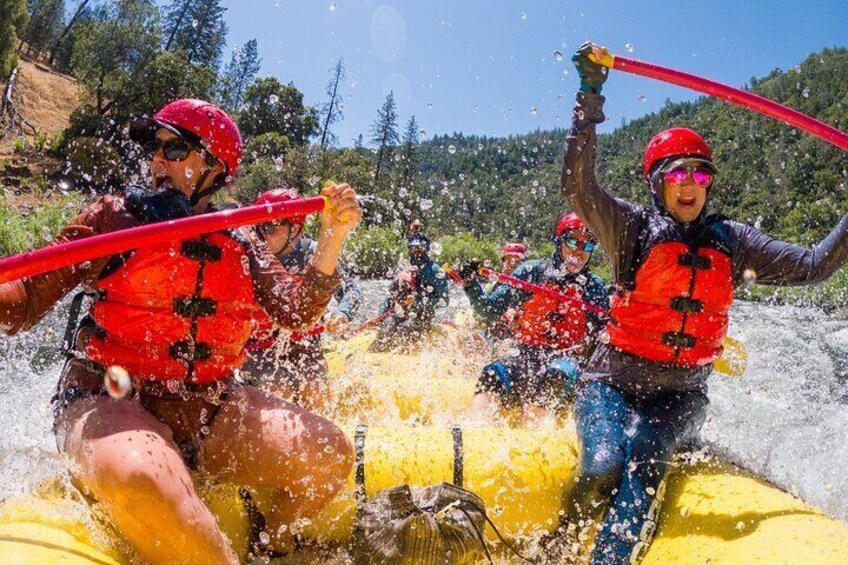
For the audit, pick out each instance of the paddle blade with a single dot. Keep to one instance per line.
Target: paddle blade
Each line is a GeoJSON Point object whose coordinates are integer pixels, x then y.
{"type": "Point", "coordinates": [734, 360]}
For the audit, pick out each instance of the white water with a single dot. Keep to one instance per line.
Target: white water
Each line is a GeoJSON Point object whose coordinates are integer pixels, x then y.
{"type": "Point", "coordinates": [787, 418]}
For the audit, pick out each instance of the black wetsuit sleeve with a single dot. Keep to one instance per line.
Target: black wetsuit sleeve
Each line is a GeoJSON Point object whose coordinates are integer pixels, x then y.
{"type": "Point", "coordinates": [612, 219]}
{"type": "Point", "coordinates": [780, 263]}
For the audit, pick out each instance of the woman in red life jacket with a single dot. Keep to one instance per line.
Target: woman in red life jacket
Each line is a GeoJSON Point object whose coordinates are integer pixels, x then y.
{"type": "Point", "coordinates": [176, 316]}
{"type": "Point", "coordinates": [551, 336]}
{"type": "Point", "coordinates": [293, 366]}
{"type": "Point", "coordinates": [675, 267]}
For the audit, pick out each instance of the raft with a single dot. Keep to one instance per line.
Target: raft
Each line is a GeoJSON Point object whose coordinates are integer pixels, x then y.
{"type": "Point", "coordinates": [713, 512]}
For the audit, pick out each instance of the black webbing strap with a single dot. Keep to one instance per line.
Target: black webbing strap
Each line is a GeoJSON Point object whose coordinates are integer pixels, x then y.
{"type": "Point", "coordinates": [359, 467]}
{"type": "Point", "coordinates": [457, 456]}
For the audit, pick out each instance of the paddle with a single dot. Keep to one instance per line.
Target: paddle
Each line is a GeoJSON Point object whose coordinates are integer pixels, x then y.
{"type": "Point", "coordinates": [55, 257]}
{"type": "Point", "coordinates": [731, 94]}
{"type": "Point", "coordinates": [527, 286]}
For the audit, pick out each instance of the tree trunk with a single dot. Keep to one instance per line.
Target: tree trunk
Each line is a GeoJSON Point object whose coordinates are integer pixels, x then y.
{"type": "Point", "coordinates": [178, 24]}
{"type": "Point", "coordinates": [65, 31]}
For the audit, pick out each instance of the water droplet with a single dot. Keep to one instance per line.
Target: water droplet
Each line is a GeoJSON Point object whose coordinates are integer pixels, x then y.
{"type": "Point", "coordinates": [429, 105]}
{"type": "Point", "coordinates": [749, 276]}
{"type": "Point", "coordinates": [264, 538]}
{"type": "Point", "coordinates": [425, 204]}
{"type": "Point", "coordinates": [195, 23]}
{"type": "Point", "coordinates": [523, 16]}
{"type": "Point", "coordinates": [641, 98]}
{"type": "Point", "coordinates": [422, 131]}
{"type": "Point", "coordinates": [45, 234]}
{"type": "Point", "coordinates": [628, 47]}
{"type": "Point", "coordinates": [806, 92]}
{"type": "Point", "coordinates": [332, 6]}
{"type": "Point", "coordinates": [273, 99]}
{"type": "Point", "coordinates": [451, 149]}
{"type": "Point", "coordinates": [189, 172]}
{"type": "Point", "coordinates": [557, 56]}
{"type": "Point", "coordinates": [278, 164]}
{"type": "Point", "coordinates": [533, 110]}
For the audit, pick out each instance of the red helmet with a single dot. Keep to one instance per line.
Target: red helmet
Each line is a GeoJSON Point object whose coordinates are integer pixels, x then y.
{"type": "Point", "coordinates": [569, 222]}
{"type": "Point", "coordinates": [676, 142]}
{"type": "Point", "coordinates": [282, 195]}
{"type": "Point", "coordinates": [215, 129]}
{"type": "Point", "coordinates": [515, 249]}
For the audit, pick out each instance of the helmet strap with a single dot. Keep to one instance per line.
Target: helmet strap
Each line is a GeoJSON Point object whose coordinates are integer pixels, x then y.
{"type": "Point", "coordinates": [200, 193]}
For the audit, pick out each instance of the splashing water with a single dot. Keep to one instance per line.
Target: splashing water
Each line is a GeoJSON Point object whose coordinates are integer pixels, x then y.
{"type": "Point", "coordinates": [785, 419]}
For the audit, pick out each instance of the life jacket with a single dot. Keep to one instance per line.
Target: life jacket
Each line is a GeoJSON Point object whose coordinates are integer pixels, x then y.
{"type": "Point", "coordinates": [556, 324]}
{"type": "Point", "coordinates": [672, 302]}
{"type": "Point", "coordinates": [181, 310]}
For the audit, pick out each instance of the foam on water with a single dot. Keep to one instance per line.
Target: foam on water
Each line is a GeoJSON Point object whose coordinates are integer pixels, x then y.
{"type": "Point", "coordinates": [786, 418]}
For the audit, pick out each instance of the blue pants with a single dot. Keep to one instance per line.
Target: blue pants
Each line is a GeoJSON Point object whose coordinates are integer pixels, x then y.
{"type": "Point", "coordinates": [535, 376]}
{"type": "Point", "coordinates": [625, 446]}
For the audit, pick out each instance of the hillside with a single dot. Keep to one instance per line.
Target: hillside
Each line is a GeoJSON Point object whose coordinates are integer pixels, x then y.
{"type": "Point", "coordinates": [47, 100]}
{"type": "Point", "coordinates": [787, 182]}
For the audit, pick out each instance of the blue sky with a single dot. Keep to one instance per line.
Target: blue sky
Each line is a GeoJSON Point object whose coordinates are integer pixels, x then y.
{"type": "Point", "coordinates": [482, 67]}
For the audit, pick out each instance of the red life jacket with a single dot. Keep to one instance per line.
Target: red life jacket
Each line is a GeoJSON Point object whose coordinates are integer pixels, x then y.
{"type": "Point", "coordinates": [676, 307]}
{"type": "Point", "coordinates": [548, 322]}
{"type": "Point", "coordinates": [178, 311]}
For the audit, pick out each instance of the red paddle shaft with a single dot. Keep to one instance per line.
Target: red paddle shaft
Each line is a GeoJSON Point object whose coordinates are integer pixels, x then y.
{"type": "Point", "coordinates": [62, 255]}
{"type": "Point", "coordinates": [733, 95]}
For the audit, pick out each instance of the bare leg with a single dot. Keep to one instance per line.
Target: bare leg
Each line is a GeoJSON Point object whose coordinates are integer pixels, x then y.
{"type": "Point", "coordinates": [130, 463]}
{"type": "Point", "coordinates": [263, 442]}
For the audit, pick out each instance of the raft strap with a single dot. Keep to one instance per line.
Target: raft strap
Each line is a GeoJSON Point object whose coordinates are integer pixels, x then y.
{"type": "Point", "coordinates": [457, 456]}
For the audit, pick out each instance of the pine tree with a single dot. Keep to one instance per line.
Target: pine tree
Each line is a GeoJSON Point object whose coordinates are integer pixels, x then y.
{"type": "Point", "coordinates": [331, 112]}
{"type": "Point", "coordinates": [239, 75]}
{"type": "Point", "coordinates": [198, 27]}
{"type": "Point", "coordinates": [45, 24]}
{"type": "Point", "coordinates": [80, 11]}
{"type": "Point", "coordinates": [384, 135]}
{"type": "Point", "coordinates": [13, 21]}
{"type": "Point", "coordinates": [409, 157]}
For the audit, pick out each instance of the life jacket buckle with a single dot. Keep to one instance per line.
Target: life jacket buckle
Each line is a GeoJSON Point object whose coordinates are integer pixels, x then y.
{"type": "Point", "coordinates": [679, 340]}
{"type": "Point", "coordinates": [687, 305]}
{"type": "Point", "coordinates": [694, 261]}
{"type": "Point", "coordinates": [191, 307]}
{"type": "Point", "coordinates": [200, 250]}
{"type": "Point", "coordinates": [190, 351]}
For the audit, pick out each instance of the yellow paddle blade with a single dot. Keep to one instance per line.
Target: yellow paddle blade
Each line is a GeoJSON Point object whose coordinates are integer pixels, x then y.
{"type": "Point", "coordinates": [734, 359]}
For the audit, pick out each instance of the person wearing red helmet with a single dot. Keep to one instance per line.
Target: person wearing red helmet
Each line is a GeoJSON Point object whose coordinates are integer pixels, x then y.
{"type": "Point", "coordinates": [295, 368]}
{"type": "Point", "coordinates": [176, 316]}
{"type": "Point", "coordinates": [512, 255]}
{"type": "Point", "coordinates": [551, 335]}
{"type": "Point", "coordinates": [675, 266]}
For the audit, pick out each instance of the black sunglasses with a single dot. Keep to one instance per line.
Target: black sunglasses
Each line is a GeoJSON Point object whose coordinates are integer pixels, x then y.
{"type": "Point", "coordinates": [173, 149]}
{"type": "Point", "coordinates": [268, 228]}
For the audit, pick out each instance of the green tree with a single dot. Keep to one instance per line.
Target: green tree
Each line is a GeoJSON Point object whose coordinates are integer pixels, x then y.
{"type": "Point", "coordinates": [45, 24]}
{"type": "Point", "coordinates": [239, 75]}
{"type": "Point", "coordinates": [273, 107]}
{"type": "Point", "coordinates": [197, 27]}
{"type": "Point", "coordinates": [384, 136]}
{"type": "Point", "coordinates": [13, 22]}
{"type": "Point", "coordinates": [113, 47]}
{"type": "Point", "coordinates": [332, 111]}
{"type": "Point", "coordinates": [58, 49]}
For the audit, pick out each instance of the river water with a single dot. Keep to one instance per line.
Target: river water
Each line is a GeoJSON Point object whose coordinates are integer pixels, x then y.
{"type": "Point", "coordinates": [786, 419]}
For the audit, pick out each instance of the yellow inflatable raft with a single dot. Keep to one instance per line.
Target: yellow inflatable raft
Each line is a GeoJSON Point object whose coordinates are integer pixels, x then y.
{"type": "Point", "coordinates": [713, 513]}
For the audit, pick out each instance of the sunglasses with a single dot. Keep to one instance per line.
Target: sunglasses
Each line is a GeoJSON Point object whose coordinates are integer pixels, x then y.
{"type": "Point", "coordinates": [268, 227]}
{"type": "Point", "coordinates": [173, 149]}
{"type": "Point", "coordinates": [573, 243]}
{"type": "Point", "coordinates": [678, 176]}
